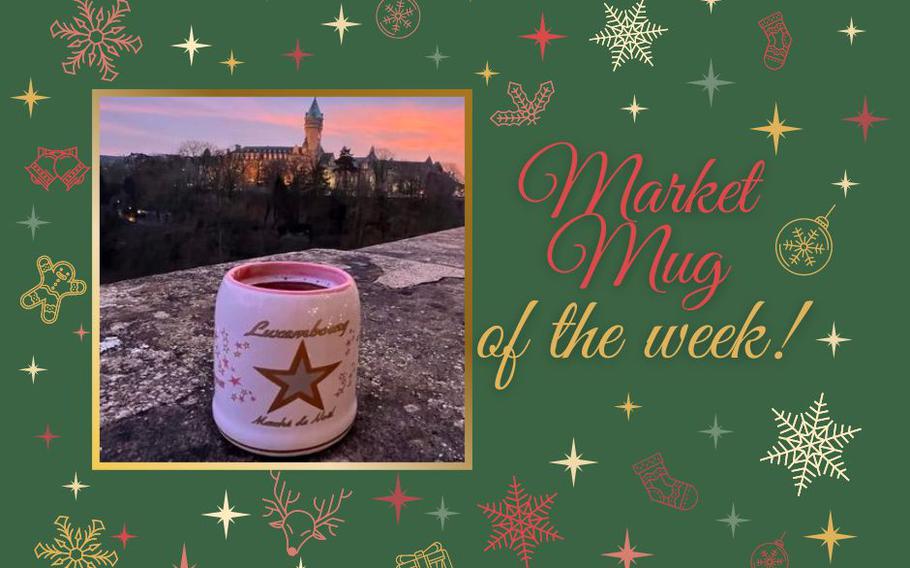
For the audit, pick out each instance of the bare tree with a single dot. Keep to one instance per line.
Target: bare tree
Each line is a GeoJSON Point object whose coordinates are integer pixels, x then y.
{"type": "Point", "coordinates": [454, 170]}
{"type": "Point", "coordinates": [195, 148]}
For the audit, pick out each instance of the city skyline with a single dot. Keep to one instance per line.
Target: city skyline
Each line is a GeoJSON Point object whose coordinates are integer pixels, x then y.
{"type": "Point", "coordinates": [410, 127]}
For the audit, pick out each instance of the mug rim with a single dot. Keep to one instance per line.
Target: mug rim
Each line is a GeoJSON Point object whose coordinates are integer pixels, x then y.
{"type": "Point", "coordinates": [342, 280]}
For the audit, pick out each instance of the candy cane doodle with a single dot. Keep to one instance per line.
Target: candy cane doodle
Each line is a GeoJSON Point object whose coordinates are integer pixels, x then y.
{"type": "Point", "coordinates": [55, 282]}
{"type": "Point", "coordinates": [527, 111]}
{"type": "Point", "coordinates": [51, 165]}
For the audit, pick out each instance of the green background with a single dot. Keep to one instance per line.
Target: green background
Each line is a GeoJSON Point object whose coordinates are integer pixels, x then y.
{"type": "Point", "coordinates": [520, 430]}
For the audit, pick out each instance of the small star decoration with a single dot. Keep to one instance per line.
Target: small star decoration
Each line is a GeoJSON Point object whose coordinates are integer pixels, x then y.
{"type": "Point", "coordinates": [628, 406]}
{"type": "Point", "coordinates": [715, 432]}
{"type": "Point", "coordinates": [232, 62]}
{"type": "Point", "coordinates": [190, 45]}
{"type": "Point", "coordinates": [30, 98]}
{"type": "Point", "coordinates": [627, 553]}
{"type": "Point", "coordinates": [733, 520]}
{"type": "Point", "coordinates": [225, 515]}
{"type": "Point", "coordinates": [830, 536]}
{"type": "Point", "coordinates": [776, 129]}
{"type": "Point", "coordinates": [397, 498]}
{"type": "Point", "coordinates": [573, 462]}
{"type": "Point", "coordinates": [341, 24]}
{"type": "Point", "coordinates": [542, 36]}
{"type": "Point", "coordinates": [76, 486]}
{"type": "Point", "coordinates": [442, 513]}
{"type": "Point", "coordinates": [833, 340]}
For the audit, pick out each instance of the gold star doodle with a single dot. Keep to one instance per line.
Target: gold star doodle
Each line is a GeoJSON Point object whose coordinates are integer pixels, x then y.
{"type": "Point", "coordinates": [830, 537]}
{"type": "Point", "coordinates": [776, 128]}
{"type": "Point", "coordinates": [573, 462]}
{"type": "Point", "coordinates": [634, 108]}
{"type": "Point", "coordinates": [298, 381]}
{"type": "Point", "coordinates": [75, 486]}
{"type": "Point", "coordinates": [846, 183]}
{"type": "Point", "coordinates": [487, 72]}
{"type": "Point", "coordinates": [232, 62]}
{"type": "Point", "coordinates": [225, 515]}
{"type": "Point", "coordinates": [628, 406]}
{"type": "Point", "coordinates": [33, 369]}
{"type": "Point", "coordinates": [191, 45]}
{"type": "Point", "coordinates": [851, 31]}
{"type": "Point", "coordinates": [30, 97]}
{"type": "Point", "coordinates": [341, 24]}
{"type": "Point", "coordinates": [833, 339]}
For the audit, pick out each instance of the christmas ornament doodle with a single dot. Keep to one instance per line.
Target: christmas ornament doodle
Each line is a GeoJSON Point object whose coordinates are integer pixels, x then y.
{"type": "Point", "coordinates": [804, 246]}
{"type": "Point", "coordinates": [76, 547]}
{"type": "Point", "coordinates": [398, 19]}
{"type": "Point", "coordinates": [770, 555]}
{"type": "Point", "coordinates": [51, 165]}
{"type": "Point", "coordinates": [96, 39]}
{"type": "Point", "coordinates": [56, 281]}
{"type": "Point", "coordinates": [526, 111]}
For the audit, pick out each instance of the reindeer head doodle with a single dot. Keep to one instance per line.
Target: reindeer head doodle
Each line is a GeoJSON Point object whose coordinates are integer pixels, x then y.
{"type": "Point", "coordinates": [318, 523]}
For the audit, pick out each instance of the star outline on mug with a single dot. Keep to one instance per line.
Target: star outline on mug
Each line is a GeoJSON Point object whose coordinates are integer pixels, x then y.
{"type": "Point", "coordinates": [312, 376]}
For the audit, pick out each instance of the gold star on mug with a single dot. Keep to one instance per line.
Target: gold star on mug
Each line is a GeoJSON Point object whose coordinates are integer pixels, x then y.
{"type": "Point", "coordinates": [298, 381]}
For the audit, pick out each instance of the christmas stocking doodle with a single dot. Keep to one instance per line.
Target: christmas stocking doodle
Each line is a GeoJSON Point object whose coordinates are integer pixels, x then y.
{"type": "Point", "coordinates": [55, 282]}
{"type": "Point", "coordinates": [662, 487]}
{"type": "Point", "coordinates": [779, 40]}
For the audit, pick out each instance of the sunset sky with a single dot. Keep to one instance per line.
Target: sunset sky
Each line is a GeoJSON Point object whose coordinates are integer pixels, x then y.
{"type": "Point", "coordinates": [411, 127]}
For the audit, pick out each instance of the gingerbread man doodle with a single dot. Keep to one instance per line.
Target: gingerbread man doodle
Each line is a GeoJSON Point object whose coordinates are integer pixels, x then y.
{"type": "Point", "coordinates": [55, 282]}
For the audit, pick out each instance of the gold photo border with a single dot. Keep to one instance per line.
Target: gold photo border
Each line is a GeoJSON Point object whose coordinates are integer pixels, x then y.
{"type": "Point", "coordinates": [97, 464]}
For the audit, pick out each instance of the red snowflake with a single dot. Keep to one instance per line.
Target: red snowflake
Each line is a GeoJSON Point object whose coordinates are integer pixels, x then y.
{"type": "Point", "coordinates": [521, 522]}
{"type": "Point", "coordinates": [95, 38]}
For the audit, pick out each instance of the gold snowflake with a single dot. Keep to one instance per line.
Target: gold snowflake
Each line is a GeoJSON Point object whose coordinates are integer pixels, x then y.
{"type": "Point", "coordinates": [76, 547]}
{"type": "Point", "coordinates": [96, 38]}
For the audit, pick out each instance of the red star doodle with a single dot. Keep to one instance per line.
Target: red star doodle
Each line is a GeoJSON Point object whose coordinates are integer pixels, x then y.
{"type": "Point", "coordinates": [47, 436]}
{"type": "Point", "coordinates": [397, 498]}
{"type": "Point", "coordinates": [526, 111]}
{"type": "Point", "coordinates": [184, 562]}
{"type": "Point", "coordinates": [865, 119]}
{"type": "Point", "coordinates": [81, 332]}
{"type": "Point", "coordinates": [542, 36]}
{"type": "Point", "coordinates": [521, 522]}
{"type": "Point", "coordinates": [627, 553]}
{"type": "Point", "coordinates": [297, 54]}
{"type": "Point", "coordinates": [123, 536]}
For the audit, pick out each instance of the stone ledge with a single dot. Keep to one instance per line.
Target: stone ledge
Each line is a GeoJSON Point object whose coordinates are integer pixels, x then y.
{"type": "Point", "coordinates": [156, 360]}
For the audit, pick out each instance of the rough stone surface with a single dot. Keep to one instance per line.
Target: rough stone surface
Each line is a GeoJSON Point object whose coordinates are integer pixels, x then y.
{"type": "Point", "coordinates": [156, 358]}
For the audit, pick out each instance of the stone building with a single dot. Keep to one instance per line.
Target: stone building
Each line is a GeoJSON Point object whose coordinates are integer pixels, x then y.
{"type": "Point", "coordinates": [388, 175]}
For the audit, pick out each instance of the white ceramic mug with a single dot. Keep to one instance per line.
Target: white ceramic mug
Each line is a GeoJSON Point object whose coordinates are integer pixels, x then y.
{"type": "Point", "coordinates": [286, 342]}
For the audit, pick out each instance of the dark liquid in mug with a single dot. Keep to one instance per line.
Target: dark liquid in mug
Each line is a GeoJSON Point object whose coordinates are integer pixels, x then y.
{"type": "Point", "coordinates": [295, 285]}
